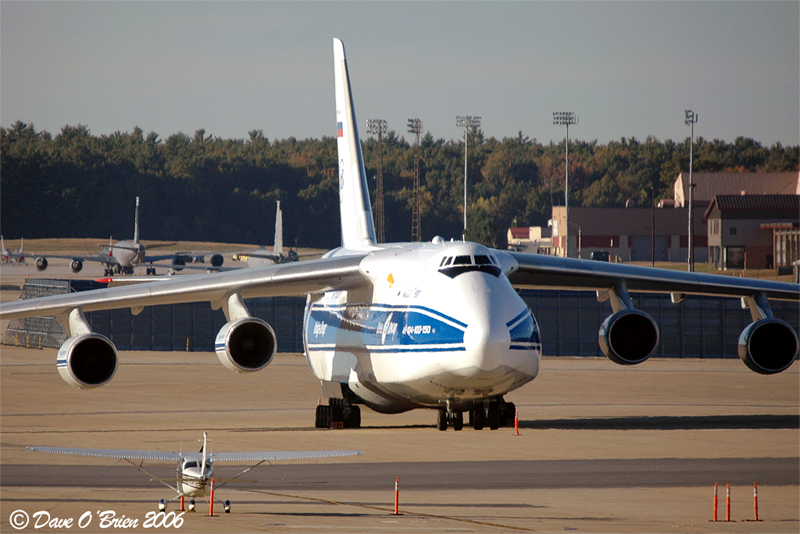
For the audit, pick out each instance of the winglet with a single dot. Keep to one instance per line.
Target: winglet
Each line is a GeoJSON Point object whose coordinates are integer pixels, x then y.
{"type": "Point", "coordinates": [358, 230]}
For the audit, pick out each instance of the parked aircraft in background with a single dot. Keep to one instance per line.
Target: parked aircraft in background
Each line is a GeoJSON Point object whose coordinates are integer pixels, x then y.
{"type": "Point", "coordinates": [262, 256]}
{"type": "Point", "coordinates": [196, 469]}
{"type": "Point", "coordinates": [6, 256]}
{"type": "Point", "coordinates": [399, 326]}
{"type": "Point", "coordinates": [123, 256]}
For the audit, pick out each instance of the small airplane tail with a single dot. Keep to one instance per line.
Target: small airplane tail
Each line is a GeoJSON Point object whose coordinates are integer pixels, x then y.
{"type": "Point", "coordinates": [277, 248]}
{"type": "Point", "coordinates": [358, 229]}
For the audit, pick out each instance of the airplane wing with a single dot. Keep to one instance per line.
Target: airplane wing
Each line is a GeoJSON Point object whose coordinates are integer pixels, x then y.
{"type": "Point", "coordinates": [111, 453]}
{"type": "Point", "coordinates": [552, 272]}
{"type": "Point", "coordinates": [291, 279]}
{"type": "Point", "coordinates": [213, 457]}
{"type": "Point", "coordinates": [275, 456]}
{"type": "Point", "coordinates": [102, 258]}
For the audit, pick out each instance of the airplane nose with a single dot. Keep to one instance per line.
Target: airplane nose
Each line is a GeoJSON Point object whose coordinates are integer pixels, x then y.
{"type": "Point", "coordinates": [486, 338]}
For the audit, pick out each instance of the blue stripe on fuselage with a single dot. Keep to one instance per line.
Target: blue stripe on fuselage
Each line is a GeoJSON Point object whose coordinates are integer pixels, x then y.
{"type": "Point", "coordinates": [397, 328]}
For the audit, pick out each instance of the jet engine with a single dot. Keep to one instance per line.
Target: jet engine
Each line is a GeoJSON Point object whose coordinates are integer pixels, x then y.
{"type": "Point", "coordinates": [87, 361]}
{"type": "Point", "coordinates": [768, 346]}
{"type": "Point", "coordinates": [246, 344]}
{"type": "Point", "coordinates": [76, 266]}
{"type": "Point", "coordinates": [216, 260]}
{"type": "Point", "coordinates": [628, 337]}
{"type": "Point", "coordinates": [41, 264]}
{"type": "Point", "coordinates": [178, 262]}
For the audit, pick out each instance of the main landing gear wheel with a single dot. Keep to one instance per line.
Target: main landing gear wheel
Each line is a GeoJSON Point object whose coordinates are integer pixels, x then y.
{"type": "Point", "coordinates": [454, 419]}
{"type": "Point", "coordinates": [498, 414]}
{"type": "Point", "coordinates": [338, 414]}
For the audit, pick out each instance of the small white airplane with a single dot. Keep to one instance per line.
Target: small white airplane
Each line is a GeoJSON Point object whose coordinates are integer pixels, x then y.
{"type": "Point", "coordinates": [123, 256]}
{"type": "Point", "coordinates": [195, 470]}
{"type": "Point", "coordinates": [400, 326]}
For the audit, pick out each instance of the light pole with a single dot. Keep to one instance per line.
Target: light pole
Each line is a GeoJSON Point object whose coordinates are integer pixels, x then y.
{"type": "Point", "coordinates": [378, 126]}
{"type": "Point", "coordinates": [691, 118]}
{"type": "Point", "coordinates": [415, 127]}
{"type": "Point", "coordinates": [566, 118]}
{"type": "Point", "coordinates": [467, 122]}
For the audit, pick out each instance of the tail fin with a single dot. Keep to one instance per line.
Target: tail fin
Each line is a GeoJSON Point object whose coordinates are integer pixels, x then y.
{"type": "Point", "coordinates": [358, 229]}
{"type": "Point", "coordinates": [136, 223]}
{"type": "Point", "coordinates": [277, 248]}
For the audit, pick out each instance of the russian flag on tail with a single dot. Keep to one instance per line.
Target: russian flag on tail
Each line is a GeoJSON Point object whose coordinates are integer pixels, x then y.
{"type": "Point", "coordinates": [339, 131]}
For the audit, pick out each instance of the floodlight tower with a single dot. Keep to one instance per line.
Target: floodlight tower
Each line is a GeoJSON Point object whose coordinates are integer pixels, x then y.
{"type": "Point", "coordinates": [691, 118]}
{"type": "Point", "coordinates": [566, 118]}
{"type": "Point", "coordinates": [378, 126]}
{"type": "Point", "coordinates": [415, 127]}
{"type": "Point", "coordinates": [467, 121]}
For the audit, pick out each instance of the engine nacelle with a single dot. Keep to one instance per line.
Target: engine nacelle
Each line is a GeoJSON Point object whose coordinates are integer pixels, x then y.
{"type": "Point", "coordinates": [246, 345]}
{"type": "Point", "coordinates": [87, 361]}
{"type": "Point", "coordinates": [628, 337]}
{"type": "Point", "coordinates": [217, 260]}
{"type": "Point", "coordinates": [178, 262]}
{"type": "Point", "coordinates": [41, 264]}
{"type": "Point", "coordinates": [768, 346]}
{"type": "Point", "coordinates": [76, 266]}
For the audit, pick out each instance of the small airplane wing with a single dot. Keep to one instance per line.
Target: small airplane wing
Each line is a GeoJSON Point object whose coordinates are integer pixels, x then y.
{"type": "Point", "coordinates": [290, 279]}
{"type": "Point", "coordinates": [111, 453]}
{"type": "Point", "coordinates": [275, 456]}
{"type": "Point", "coordinates": [552, 272]}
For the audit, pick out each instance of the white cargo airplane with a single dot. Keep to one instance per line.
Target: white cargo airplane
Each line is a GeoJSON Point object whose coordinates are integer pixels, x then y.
{"type": "Point", "coordinates": [400, 326]}
{"type": "Point", "coordinates": [123, 256]}
{"type": "Point", "coordinates": [196, 469]}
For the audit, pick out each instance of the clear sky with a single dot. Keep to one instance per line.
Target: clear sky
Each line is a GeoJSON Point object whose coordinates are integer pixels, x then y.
{"type": "Point", "coordinates": [628, 69]}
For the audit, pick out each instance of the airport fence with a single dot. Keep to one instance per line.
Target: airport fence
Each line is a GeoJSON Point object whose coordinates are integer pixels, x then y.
{"type": "Point", "coordinates": [569, 321]}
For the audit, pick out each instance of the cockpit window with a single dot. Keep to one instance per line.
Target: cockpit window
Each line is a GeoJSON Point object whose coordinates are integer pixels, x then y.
{"type": "Point", "coordinates": [189, 464]}
{"type": "Point", "coordinates": [454, 266]}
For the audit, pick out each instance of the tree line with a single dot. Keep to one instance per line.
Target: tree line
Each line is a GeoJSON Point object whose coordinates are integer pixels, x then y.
{"type": "Point", "coordinates": [200, 187]}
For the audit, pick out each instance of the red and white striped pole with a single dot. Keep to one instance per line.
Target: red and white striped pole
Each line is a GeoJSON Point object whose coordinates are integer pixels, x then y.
{"type": "Point", "coordinates": [516, 422]}
{"type": "Point", "coordinates": [211, 504]}
{"type": "Point", "coordinates": [716, 501]}
{"type": "Point", "coordinates": [755, 500]}
{"type": "Point", "coordinates": [728, 504]}
{"type": "Point", "coordinates": [397, 496]}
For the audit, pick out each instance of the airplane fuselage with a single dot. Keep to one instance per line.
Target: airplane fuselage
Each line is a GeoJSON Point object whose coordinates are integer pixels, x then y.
{"type": "Point", "coordinates": [441, 326]}
{"type": "Point", "coordinates": [192, 481]}
{"type": "Point", "coordinates": [126, 254]}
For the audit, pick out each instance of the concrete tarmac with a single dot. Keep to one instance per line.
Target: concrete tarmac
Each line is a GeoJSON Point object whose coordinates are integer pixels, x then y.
{"type": "Point", "coordinates": [602, 448]}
